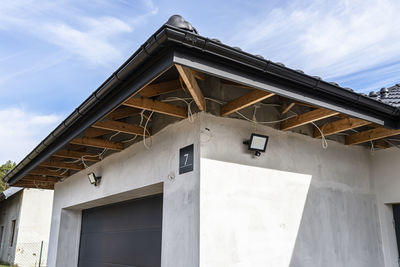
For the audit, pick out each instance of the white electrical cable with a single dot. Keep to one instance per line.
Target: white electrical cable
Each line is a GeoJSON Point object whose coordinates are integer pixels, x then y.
{"type": "Point", "coordinates": [250, 120]}
{"type": "Point", "coordinates": [372, 147]}
{"type": "Point", "coordinates": [101, 155]}
{"type": "Point", "coordinates": [215, 100]}
{"type": "Point", "coordinates": [265, 122]}
{"type": "Point", "coordinates": [144, 132]}
{"type": "Point", "coordinates": [397, 146]}
{"type": "Point", "coordinates": [189, 109]}
{"type": "Point", "coordinates": [323, 139]}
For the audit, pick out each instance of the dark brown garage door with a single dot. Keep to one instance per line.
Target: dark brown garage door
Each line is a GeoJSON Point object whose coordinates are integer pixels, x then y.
{"type": "Point", "coordinates": [122, 234]}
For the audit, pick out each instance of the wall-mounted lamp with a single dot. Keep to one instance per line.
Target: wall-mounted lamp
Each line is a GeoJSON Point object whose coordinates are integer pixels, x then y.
{"type": "Point", "coordinates": [93, 179]}
{"type": "Point", "coordinates": [257, 143]}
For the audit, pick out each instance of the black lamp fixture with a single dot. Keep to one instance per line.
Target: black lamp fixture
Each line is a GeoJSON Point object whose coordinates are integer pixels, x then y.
{"type": "Point", "coordinates": [257, 143]}
{"type": "Point", "coordinates": [93, 179]}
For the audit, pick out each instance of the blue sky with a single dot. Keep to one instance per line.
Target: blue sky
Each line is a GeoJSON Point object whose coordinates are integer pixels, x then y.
{"type": "Point", "coordinates": [53, 54]}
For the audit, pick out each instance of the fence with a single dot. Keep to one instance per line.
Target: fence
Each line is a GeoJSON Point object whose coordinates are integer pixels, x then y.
{"type": "Point", "coordinates": [31, 254]}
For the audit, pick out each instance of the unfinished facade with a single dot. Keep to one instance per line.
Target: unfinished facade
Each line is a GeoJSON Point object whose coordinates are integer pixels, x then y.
{"type": "Point", "coordinates": [25, 216]}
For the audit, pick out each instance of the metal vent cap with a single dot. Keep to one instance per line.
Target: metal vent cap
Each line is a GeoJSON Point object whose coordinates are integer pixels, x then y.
{"type": "Point", "coordinates": [179, 22]}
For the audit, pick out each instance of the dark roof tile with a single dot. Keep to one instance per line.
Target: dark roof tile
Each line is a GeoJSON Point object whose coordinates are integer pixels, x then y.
{"type": "Point", "coordinates": [390, 96]}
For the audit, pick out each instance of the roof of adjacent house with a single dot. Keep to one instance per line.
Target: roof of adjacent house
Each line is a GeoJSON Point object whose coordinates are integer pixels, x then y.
{"type": "Point", "coordinates": [9, 192]}
{"type": "Point", "coordinates": [177, 43]}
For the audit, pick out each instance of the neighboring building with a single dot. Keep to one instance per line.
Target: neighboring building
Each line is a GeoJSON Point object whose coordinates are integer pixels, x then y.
{"type": "Point", "coordinates": [193, 193]}
{"type": "Point", "coordinates": [25, 217]}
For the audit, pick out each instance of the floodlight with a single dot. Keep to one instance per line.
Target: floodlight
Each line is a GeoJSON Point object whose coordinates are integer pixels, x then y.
{"type": "Point", "coordinates": [93, 179]}
{"type": "Point", "coordinates": [257, 143]}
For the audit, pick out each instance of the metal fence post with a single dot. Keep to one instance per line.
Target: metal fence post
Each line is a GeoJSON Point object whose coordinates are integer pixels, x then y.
{"type": "Point", "coordinates": [40, 254]}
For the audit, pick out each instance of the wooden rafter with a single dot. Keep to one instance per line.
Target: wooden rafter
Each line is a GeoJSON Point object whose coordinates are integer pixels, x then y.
{"type": "Point", "coordinates": [60, 164]}
{"type": "Point", "coordinates": [199, 75]}
{"type": "Point", "coordinates": [35, 184]}
{"type": "Point", "coordinates": [92, 132]}
{"type": "Point", "coordinates": [118, 126]}
{"type": "Point", "coordinates": [244, 101]}
{"type": "Point", "coordinates": [39, 178]}
{"type": "Point", "coordinates": [161, 88]}
{"type": "Point", "coordinates": [98, 142]}
{"type": "Point", "coordinates": [287, 107]}
{"type": "Point", "coordinates": [122, 113]}
{"type": "Point", "coordinates": [340, 126]}
{"type": "Point", "coordinates": [47, 172]}
{"type": "Point", "coordinates": [381, 143]}
{"type": "Point", "coordinates": [41, 185]}
{"type": "Point", "coordinates": [192, 85]}
{"type": "Point", "coordinates": [235, 84]}
{"type": "Point", "coordinates": [308, 117]}
{"type": "Point", "coordinates": [370, 135]}
{"type": "Point", "coordinates": [71, 154]}
{"type": "Point", "coordinates": [156, 106]}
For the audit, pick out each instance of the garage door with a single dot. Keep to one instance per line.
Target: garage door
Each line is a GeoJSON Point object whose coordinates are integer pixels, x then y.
{"type": "Point", "coordinates": [122, 234]}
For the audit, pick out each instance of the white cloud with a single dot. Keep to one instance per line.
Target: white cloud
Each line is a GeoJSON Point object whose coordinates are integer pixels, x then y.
{"type": "Point", "coordinates": [151, 6]}
{"type": "Point", "coordinates": [97, 39]}
{"type": "Point", "coordinates": [326, 38]}
{"type": "Point", "coordinates": [94, 44]}
{"type": "Point", "coordinates": [21, 131]}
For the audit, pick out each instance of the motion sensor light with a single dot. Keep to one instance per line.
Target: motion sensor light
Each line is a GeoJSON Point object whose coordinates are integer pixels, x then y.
{"type": "Point", "coordinates": [257, 143]}
{"type": "Point", "coordinates": [93, 179]}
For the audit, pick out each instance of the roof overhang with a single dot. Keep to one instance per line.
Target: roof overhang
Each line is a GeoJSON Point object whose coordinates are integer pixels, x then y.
{"type": "Point", "coordinates": [169, 46]}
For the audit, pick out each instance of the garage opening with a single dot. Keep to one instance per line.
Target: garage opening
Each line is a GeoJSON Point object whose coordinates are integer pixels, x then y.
{"type": "Point", "coordinates": [122, 234]}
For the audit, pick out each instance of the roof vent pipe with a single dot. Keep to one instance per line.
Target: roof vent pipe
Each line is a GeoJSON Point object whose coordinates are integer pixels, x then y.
{"type": "Point", "coordinates": [179, 22]}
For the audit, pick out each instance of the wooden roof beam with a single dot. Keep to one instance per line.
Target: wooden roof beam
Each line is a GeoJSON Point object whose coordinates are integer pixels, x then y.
{"type": "Point", "coordinates": [122, 113]}
{"type": "Point", "coordinates": [30, 178]}
{"type": "Point", "coordinates": [308, 117]}
{"type": "Point", "coordinates": [160, 88]}
{"type": "Point", "coordinates": [235, 84]}
{"type": "Point", "coordinates": [71, 154]}
{"type": "Point", "coordinates": [199, 75]}
{"type": "Point", "coordinates": [33, 184]}
{"type": "Point", "coordinates": [92, 132]}
{"type": "Point", "coordinates": [47, 172]}
{"type": "Point", "coordinates": [118, 126]}
{"type": "Point", "coordinates": [244, 101]}
{"type": "Point", "coordinates": [381, 143]}
{"type": "Point", "coordinates": [340, 126]}
{"type": "Point", "coordinates": [370, 135]}
{"type": "Point", "coordinates": [98, 142]}
{"type": "Point", "coordinates": [157, 106]}
{"type": "Point", "coordinates": [192, 85]}
{"type": "Point", "coordinates": [61, 164]}
{"type": "Point", "coordinates": [287, 107]}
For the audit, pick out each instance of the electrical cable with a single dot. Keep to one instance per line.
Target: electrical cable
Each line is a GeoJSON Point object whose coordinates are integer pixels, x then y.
{"type": "Point", "coordinates": [323, 139]}
{"type": "Point", "coordinates": [189, 109]}
{"type": "Point", "coordinates": [144, 133]}
{"type": "Point", "coordinates": [266, 122]}
{"type": "Point", "coordinates": [397, 146]}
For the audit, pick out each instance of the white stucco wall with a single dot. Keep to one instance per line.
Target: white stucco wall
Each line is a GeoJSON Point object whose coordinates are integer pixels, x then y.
{"type": "Point", "coordinates": [386, 173]}
{"type": "Point", "coordinates": [9, 210]}
{"type": "Point", "coordinates": [34, 226]}
{"type": "Point", "coordinates": [311, 207]}
{"type": "Point", "coordinates": [35, 216]}
{"type": "Point", "coordinates": [124, 175]}
{"type": "Point", "coordinates": [339, 222]}
{"type": "Point", "coordinates": [250, 216]}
